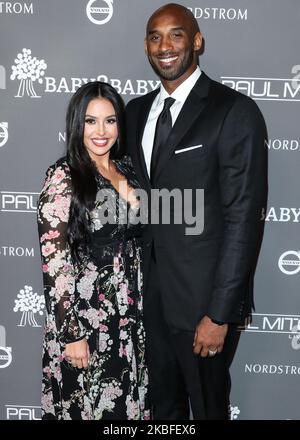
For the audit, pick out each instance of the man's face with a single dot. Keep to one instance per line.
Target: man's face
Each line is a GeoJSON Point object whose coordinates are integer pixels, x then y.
{"type": "Point", "coordinates": [170, 45]}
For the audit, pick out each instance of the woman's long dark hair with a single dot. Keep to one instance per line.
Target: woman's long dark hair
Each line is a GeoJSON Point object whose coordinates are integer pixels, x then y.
{"type": "Point", "coordinates": [82, 168]}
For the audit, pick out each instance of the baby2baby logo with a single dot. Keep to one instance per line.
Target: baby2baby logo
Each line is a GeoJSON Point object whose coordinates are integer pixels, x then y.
{"type": "Point", "coordinates": [29, 70]}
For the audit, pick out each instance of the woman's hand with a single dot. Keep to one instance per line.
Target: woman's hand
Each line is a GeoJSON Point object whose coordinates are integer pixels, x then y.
{"type": "Point", "coordinates": [77, 353]}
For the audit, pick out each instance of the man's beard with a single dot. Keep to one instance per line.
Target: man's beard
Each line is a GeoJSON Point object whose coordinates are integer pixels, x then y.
{"type": "Point", "coordinates": [169, 74]}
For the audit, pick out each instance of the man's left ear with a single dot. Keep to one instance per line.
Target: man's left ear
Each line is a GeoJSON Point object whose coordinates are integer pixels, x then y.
{"type": "Point", "coordinates": [197, 41]}
{"type": "Point", "coordinates": [145, 46]}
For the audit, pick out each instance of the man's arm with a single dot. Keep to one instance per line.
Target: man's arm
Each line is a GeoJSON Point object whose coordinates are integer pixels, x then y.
{"type": "Point", "coordinates": [243, 187]}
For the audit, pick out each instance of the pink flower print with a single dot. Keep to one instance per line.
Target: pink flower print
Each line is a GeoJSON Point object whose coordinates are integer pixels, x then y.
{"type": "Point", "coordinates": [103, 328]}
{"type": "Point", "coordinates": [58, 175]}
{"type": "Point", "coordinates": [111, 392]}
{"type": "Point", "coordinates": [62, 284]}
{"type": "Point", "coordinates": [66, 304]}
{"type": "Point", "coordinates": [101, 297]}
{"type": "Point", "coordinates": [123, 322]}
{"type": "Point", "coordinates": [43, 238]}
{"type": "Point", "coordinates": [47, 403]}
{"type": "Point", "coordinates": [53, 349]}
{"type": "Point", "coordinates": [47, 370]}
{"type": "Point", "coordinates": [102, 315]}
{"type": "Point", "coordinates": [116, 265]}
{"type": "Point", "coordinates": [130, 300]}
{"type": "Point", "coordinates": [62, 205]}
{"type": "Point", "coordinates": [132, 408]}
{"type": "Point", "coordinates": [51, 235]}
{"type": "Point", "coordinates": [123, 288]}
{"type": "Point", "coordinates": [56, 370]}
{"type": "Point", "coordinates": [102, 346]}
{"type": "Point", "coordinates": [48, 249]}
{"type": "Point", "coordinates": [123, 335]}
{"type": "Point", "coordinates": [45, 268]}
{"type": "Point", "coordinates": [66, 268]}
{"type": "Point", "coordinates": [122, 351]}
{"type": "Point", "coordinates": [51, 190]}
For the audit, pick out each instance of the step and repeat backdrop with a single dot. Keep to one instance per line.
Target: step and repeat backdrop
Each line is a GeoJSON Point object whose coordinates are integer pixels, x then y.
{"type": "Point", "coordinates": [47, 50]}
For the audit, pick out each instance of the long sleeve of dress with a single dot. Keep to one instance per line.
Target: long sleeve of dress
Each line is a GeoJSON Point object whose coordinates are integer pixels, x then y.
{"type": "Point", "coordinates": [66, 291]}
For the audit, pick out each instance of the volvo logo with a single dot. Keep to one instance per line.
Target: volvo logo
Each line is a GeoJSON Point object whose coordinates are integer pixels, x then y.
{"type": "Point", "coordinates": [3, 133]}
{"type": "Point", "coordinates": [289, 262]}
{"type": "Point", "coordinates": [99, 14]}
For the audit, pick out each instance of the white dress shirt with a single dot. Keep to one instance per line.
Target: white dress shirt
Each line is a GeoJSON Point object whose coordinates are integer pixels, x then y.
{"type": "Point", "coordinates": [180, 95]}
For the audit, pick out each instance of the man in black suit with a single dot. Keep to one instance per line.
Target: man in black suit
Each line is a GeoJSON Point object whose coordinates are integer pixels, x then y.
{"type": "Point", "coordinates": [197, 287]}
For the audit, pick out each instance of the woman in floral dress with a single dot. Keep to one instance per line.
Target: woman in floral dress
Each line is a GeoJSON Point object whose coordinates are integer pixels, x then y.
{"type": "Point", "coordinates": [94, 341]}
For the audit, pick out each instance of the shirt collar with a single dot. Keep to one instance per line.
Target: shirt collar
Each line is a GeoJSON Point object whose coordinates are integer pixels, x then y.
{"type": "Point", "coordinates": [182, 91]}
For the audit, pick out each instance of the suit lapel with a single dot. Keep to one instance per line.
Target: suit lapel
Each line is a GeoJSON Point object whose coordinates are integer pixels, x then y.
{"type": "Point", "coordinates": [195, 103]}
{"type": "Point", "coordinates": [142, 119]}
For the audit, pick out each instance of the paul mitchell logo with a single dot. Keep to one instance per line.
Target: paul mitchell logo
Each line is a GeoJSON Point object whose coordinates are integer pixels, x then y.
{"type": "Point", "coordinates": [16, 8]}
{"type": "Point", "coordinates": [3, 133]}
{"type": "Point", "coordinates": [13, 201]}
{"type": "Point", "coordinates": [5, 352]}
{"type": "Point", "coordinates": [21, 412]}
{"type": "Point", "coordinates": [2, 78]}
{"type": "Point", "coordinates": [289, 262]}
{"type": "Point", "coordinates": [272, 323]}
{"type": "Point", "coordinates": [29, 304]}
{"type": "Point", "coordinates": [100, 13]}
{"type": "Point", "coordinates": [220, 13]}
{"type": "Point", "coordinates": [266, 89]}
{"type": "Point", "coordinates": [27, 70]}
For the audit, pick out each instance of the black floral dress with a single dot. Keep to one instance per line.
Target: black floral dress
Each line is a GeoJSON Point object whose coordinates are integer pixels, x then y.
{"type": "Point", "coordinates": [101, 301]}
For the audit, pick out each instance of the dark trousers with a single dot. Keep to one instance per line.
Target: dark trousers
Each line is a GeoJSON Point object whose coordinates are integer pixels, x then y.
{"type": "Point", "coordinates": [179, 378]}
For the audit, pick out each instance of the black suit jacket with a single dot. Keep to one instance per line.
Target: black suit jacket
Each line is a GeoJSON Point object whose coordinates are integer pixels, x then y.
{"type": "Point", "coordinates": [211, 273]}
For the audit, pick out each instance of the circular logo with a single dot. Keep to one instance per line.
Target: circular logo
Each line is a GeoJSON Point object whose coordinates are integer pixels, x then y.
{"type": "Point", "coordinates": [3, 133]}
{"type": "Point", "coordinates": [99, 14]}
{"type": "Point", "coordinates": [5, 357]}
{"type": "Point", "coordinates": [289, 262]}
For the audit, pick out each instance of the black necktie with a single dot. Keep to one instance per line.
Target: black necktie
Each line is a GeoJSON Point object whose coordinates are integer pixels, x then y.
{"type": "Point", "coordinates": [162, 131]}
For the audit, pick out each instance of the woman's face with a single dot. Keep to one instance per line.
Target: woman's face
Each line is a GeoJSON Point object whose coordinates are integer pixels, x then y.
{"type": "Point", "coordinates": [100, 128]}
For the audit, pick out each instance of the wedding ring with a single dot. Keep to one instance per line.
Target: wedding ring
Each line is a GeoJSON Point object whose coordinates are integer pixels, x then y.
{"type": "Point", "coordinates": [212, 352]}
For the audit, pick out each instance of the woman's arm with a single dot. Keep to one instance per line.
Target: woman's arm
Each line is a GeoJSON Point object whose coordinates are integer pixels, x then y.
{"type": "Point", "coordinates": [58, 271]}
